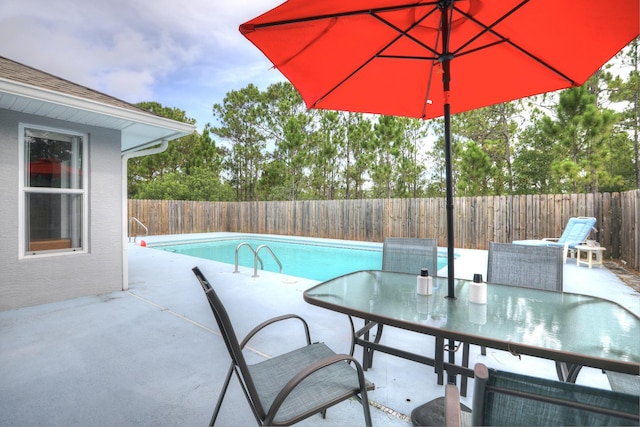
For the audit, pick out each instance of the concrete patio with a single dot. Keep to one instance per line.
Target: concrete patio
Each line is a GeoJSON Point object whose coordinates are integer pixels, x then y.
{"type": "Point", "coordinates": [152, 355]}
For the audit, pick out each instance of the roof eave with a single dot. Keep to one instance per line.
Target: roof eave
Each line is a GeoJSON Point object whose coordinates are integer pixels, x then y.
{"type": "Point", "coordinates": [137, 123]}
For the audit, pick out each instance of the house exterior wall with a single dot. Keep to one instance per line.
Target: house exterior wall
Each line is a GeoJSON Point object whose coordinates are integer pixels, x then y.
{"type": "Point", "coordinates": [31, 281]}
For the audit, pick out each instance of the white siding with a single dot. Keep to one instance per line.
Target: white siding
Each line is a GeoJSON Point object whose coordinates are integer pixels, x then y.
{"type": "Point", "coordinates": [25, 282]}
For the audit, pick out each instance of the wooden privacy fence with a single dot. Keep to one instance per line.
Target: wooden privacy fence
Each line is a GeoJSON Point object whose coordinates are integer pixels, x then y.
{"type": "Point", "coordinates": [477, 220]}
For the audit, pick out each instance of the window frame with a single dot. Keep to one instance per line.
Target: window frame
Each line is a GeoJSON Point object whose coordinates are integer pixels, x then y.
{"type": "Point", "coordinates": [24, 190]}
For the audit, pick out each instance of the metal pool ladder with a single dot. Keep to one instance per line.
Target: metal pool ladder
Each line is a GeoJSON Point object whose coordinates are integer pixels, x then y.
{"type": "Point", "coordinates": [135, 220]}
{"type": "Point", "coordinates": [256, 257]}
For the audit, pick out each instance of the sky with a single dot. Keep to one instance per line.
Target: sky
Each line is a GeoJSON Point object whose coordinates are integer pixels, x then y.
{"type": "Point", "coordinates": [186, 54]}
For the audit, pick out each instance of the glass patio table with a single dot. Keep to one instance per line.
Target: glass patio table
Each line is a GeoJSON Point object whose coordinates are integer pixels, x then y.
{"type": "Point", "coordinates": [571, 329]}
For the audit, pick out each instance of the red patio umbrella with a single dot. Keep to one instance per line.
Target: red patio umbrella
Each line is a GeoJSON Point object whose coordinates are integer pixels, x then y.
{"type": "Point", "coordinates": [51, 167]}
{"type": "Point", "coordinates": [426, 59]}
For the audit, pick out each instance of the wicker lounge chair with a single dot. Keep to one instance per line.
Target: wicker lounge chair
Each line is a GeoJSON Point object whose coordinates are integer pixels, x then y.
{"type": "Point", "coordinates": [293, 386]}
{"type": "Point", "coordinates": [509, 399]}
{"type": "Point", "coordinates": [574, 234]}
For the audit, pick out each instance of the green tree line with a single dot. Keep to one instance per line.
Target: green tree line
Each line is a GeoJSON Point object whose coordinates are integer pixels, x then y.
{"type": "Point", "coordinates": [267, 145]}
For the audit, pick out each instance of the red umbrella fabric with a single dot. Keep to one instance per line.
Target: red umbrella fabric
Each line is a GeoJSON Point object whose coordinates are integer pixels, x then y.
{"type": "Point", "coordinates": [51, 167]}
{"type": "Point", "coordinates": [426, 59]}
{"type": "Point", "coordinates": [384, 56]}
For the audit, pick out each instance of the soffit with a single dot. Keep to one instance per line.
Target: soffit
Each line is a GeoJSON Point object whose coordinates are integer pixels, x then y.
{"type": "Point", "coordinates": [27, 90]}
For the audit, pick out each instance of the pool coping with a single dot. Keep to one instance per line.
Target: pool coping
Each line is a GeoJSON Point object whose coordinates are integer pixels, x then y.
{"type": "Point", "coordinates": [174, 239]}
{"type": "Point", "coordinates": [177, 239]}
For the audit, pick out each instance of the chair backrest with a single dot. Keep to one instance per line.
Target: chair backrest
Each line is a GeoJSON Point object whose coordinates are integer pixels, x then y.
{"type": "Point", "coordinates": [230, 339]}
{"type": "Point", "coordinates": [509, 399]}
{"type": "Point", "coordinates": [409, 255]}
{"type": "Point", "coordinates": [539, 267]}
{"type": "Point", "coordinates": [577, 230]}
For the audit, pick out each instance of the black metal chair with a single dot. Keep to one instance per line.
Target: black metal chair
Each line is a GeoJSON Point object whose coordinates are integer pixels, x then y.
{"type": "Point", "coordinates": [293, 386]}
{"type": "Point", "coordinates": [401, 255]}
{"type": "Point", "coordinates": [509, 399]}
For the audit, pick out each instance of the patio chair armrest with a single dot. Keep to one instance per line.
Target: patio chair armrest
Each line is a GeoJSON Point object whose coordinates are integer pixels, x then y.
{"type": "Point", "coordinates": [551, 239]}
{"type": "Point", "coordinates": [273, 320]}
{"type": "Point", "coordinates": [452, 416]}
{"type": "Point", "coordinates": [311, 369]}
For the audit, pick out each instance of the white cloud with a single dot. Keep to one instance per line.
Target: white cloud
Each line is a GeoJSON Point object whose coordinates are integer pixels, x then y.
{"type": "Point", "coordinates": [141, 50]}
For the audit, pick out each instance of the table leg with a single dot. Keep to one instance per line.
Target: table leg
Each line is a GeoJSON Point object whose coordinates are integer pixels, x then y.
{"type": "Point", "coordinates": [465, 363]}
{"type": "Point", "coordinates": [579, 257]}
{"type": "Point", "coordinates": [367, 353]}
{"type": "Point", "coordinates": [599, 258]}
{"type": "Point", "coordinates": [451, 379]}
{"type": "Point", "coordinates": [439, 360]}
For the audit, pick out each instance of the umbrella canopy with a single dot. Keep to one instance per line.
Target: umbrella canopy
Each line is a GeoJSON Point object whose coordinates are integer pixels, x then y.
{"type": "Point", "coordinates": [51, 167]}
{"type": "Point", "coordinates": [426, 59]}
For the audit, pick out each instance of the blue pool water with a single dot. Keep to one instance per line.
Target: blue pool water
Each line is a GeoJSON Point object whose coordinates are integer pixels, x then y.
{"type": "Point", "coordinates": [306, 259]}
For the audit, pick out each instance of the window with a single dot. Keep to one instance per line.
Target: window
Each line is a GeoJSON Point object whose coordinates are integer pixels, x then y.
{"type": "Point", "coordinates": [53, 187]}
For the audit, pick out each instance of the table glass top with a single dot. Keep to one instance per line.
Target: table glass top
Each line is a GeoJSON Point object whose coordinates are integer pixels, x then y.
{"type": "Point", "coordinates": [551, 320]}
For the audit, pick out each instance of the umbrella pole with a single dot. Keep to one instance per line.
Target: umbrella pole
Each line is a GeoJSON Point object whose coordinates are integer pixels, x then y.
{"type": "Point", "coordinates": [446, 78]}
{"type": "Point", "coordinates": [445, 59]}
{"type": "Point", "coordinates": [451, 379]}
{"type": "Point", "coordinates": [449, 181]}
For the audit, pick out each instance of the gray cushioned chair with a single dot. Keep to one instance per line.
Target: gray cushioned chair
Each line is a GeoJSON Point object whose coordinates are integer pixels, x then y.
{"type": "Point", "coordinates": [402, 255]}
{"type": "Point", "coordinates": [509, 399]}
{"type": "Point", "coordinates": [293, 386]}
{"type": "Point", "coordinates": [409, 255]}
{"type": "Point", "coordinates": [539, 267]}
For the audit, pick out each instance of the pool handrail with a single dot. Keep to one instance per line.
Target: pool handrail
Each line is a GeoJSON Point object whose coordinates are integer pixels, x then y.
{"type": "Point", "coordinates": [256, 258]}
{"type": "Point", "coordinates": [133, 220]}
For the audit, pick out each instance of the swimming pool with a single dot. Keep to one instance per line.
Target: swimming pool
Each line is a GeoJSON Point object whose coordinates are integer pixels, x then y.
{"type": "Point", "coordinates": [316, 259]}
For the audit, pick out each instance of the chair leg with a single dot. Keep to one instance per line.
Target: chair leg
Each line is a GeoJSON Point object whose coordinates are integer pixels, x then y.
{"type": "Point", "coordinates": [221, 398]}
{"type": "Point", "coordinates": [364, 401]}
{"type": "Point", "coordinates": [376, 341]}
{"type": "Point", "coordinates": [439, 360]}
{"type": "Point", "coordinates": [465, 363]}
{"type": "Point", "coordinates": [367, 353]}
{"type": "Point", "coordinates": [353, 337]}
{"type": "Point", "coordinates": [367, 412]}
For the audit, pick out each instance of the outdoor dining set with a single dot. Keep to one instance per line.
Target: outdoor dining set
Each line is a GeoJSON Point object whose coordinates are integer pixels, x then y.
{"type": "Point", "coordinates": [426, 60]}
{"type": "Point", "coordinates": [520, 308]}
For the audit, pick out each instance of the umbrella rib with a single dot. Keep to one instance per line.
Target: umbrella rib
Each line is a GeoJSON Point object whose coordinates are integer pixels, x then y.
{"type": "Point", "coordinates": [503, 39]}
{"type": "Point", "coordinates": [420, 43]}
{"type": "Point", "coordinates": [405, 32]}
{"type": "Point", "coordinates": [251, 27]}
{"type": "Point", "coordinates": [305, 47]}
{"type": "Point", "coordinates": [378, 54]}
{"type": "Point", "coordinates": [364, 64]}
{"type": "Point", "coordinates": [487, 28]}
{"type": "Point", "coordinates": [426, 102]}
{"type": "Point", "coordinates": [417, 58]}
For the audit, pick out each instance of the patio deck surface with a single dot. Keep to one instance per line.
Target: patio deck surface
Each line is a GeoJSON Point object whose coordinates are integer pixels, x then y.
{"type": "Point", "coordinates": [152, 355]}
